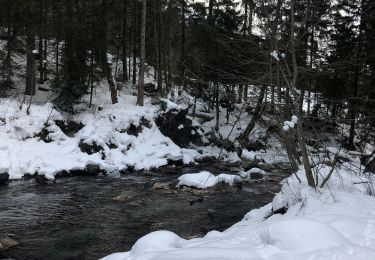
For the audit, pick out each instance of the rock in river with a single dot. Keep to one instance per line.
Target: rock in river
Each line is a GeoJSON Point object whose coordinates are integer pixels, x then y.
{"type": "Point", "coordinates": [6, 242]}
{"type": "Point", "coordinates": [4, 177]}
{"type": "Point", "coordinates": [124, 196]}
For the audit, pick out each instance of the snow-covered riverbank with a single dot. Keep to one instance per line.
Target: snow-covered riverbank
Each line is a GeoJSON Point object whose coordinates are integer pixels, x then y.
{"type": "Point", "coordinates": [113, 137]}
{"type": "Point", "coordinates": [333, 222]}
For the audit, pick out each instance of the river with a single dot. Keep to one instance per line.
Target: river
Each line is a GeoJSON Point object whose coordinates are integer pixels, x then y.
{"type": "Point", "coordinates": [77, 217]}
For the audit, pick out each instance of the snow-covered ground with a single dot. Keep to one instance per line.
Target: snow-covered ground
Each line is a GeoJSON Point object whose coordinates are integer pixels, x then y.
{"type": "Point", "coordinates": [336, 222]}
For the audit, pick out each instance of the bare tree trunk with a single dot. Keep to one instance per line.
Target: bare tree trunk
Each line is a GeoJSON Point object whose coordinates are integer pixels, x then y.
{"type": "Point", "coordinates": [275, 44]}
{"type": "Point", "coordinates": [45, 41]}
{"type": "Point", "coordinates": [245, 93]}
{"type": "Point", "coordinates": [289, 145]}
{"type": "Point", "coordinates": [57, 71]}
{"type": "Point", "coordinates": [140, 97]}
{"type": "Point", "coordinates": [251, 15]}
{"type": "Point", "coordinates": [111, 83]}
{"type": "Point", "coordinates": [357, 72]}
{"type": "Point", "coordinates": [91, 77]}
{"type": "Point", "coordinates": [272, 87]}
{"type": "Point", "coordinates": [7, 82]}
{"type": "Point", "coordinates": [30, 65]}
{"type": "Point", "coordinates": [107, 64]}
{"type": "Point", "coordinates": [134, 42]}
{"type": "Point", "coordinates": [300, 134]}
{"type": "Point", "coordinates": [159, 46]}
{"type": "Point", "coordinates": [240, 93]}
{"type": "Point", "coordinates": [169, 48]}
{"type": "Point", "coordinates": [352, 109]}
{"type": "Point", "coordinates": [182, 57]}
{"type": "Point", "coordinates": [124, 41]}
{"type": "Point", "coordinates": [245, 19]}
{"type": "Point", "coordinates": [256, 115]}
{"type": "Point", "coordinates": [40, 40]}
{"type": "Point", "coordinates": [217, 107]}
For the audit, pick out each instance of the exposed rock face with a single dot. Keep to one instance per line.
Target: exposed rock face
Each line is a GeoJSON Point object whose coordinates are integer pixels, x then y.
{"type": "Point", "coordinates": [4, 177]}
{"type": "Point", "coordinates": [175, 124]}
{"type": "Point", "coordinates": [135, 130]}
{"type": "Point", "coordinates": [69, 128]}
{"type": "Point", "coordinates": [91, 148]}
{"type": "Point", "coordinates": [44, 135]}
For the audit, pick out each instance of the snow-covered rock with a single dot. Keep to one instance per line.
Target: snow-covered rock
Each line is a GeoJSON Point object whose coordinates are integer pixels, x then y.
{"type": "Point", "coordinates": [253, 173]}
{"type": "Point", "coordinates": [206, 179]}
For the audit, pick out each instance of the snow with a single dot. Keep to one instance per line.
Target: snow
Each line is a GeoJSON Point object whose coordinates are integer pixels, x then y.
{"type": "Point", "coordinates": [290, 124]}
{"type": "Point", "coordinates": [285, 128]}
{"type": "Point", "coordinates": [249, 155]}
{"type": "Point", "coordinates": [294, 119]}
{"type": "Point", "coordinates": [172, 105]}
{"type": "Point", "coordinates": [206, 179]}
{"type": "Point", "coordinates": [275, 55]}
{"type": "Point", "coordinates": [329, 223]}
{"type": "Point", "coordinates": [22, 152]}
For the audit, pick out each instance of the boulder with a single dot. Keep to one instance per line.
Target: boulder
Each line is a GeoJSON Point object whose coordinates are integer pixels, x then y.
{"type": "Point", "coordinates": [247, 164]}
{"type": "Point", "coordinates": [150, 88]}
{"type": "Point", "coordinates": [4, 177]}
{"type": "Point", "coordinates": [93, 169]}
{"type": "Point", "coordinates": [6, 242]}
{"type": "Point", "coordinates": [41, 179]}
{"type": "Point", "coordinates": [160, 186]}
{"type": "Point", "coordinates": [256, 175]}
{"type": "Point", "coordinates": [91, 148]}
{"type": "Point", "coordinates": [124, 196]}
{"type": "Point", "coordinates": [43, 135]}
{"type": "Point", "coordinates": [69, 128]}
{"type": "Point", "coordinates": [175, 124]}
{"type": "Point", "coordinates": [267, 167]}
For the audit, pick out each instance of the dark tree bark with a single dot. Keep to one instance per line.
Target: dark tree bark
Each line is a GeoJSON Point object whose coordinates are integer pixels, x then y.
{"type": "Point", "coordinates": [300, 134]}
{"type": "Point", "coordinates": [30, 65]}
{"type": "Point", "coordinates": [256, 115]}
{"type": "Point", "coordinates": [217, 104]}
{"type": "Point", "coordinates": [124, 40]}
{"type": "Point", "coordinates": [183, 36]}
{"type": "Point", "coordinates": [134, 80]}
{"type": "Point", "coordinates": [140, 97]}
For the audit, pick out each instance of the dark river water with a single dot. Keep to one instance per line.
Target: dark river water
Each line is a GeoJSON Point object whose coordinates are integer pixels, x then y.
{"type": "Point", "coordinates": [77, 217]}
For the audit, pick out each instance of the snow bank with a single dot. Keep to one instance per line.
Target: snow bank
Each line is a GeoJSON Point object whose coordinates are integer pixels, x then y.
{"type": "Point", "coordinates": [334, 222]}
{"type": "Point", "coordinates": [206, 179]}
{"type": "Point", "coordinates": [22, 151]}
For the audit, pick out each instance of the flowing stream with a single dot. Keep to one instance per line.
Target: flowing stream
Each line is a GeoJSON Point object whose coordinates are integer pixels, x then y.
{"type": "Point", "coordinates": [77, 217]}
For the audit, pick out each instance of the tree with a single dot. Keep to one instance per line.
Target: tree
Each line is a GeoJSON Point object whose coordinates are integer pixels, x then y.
{"type": "Point", "coordinates": [140, 97]}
